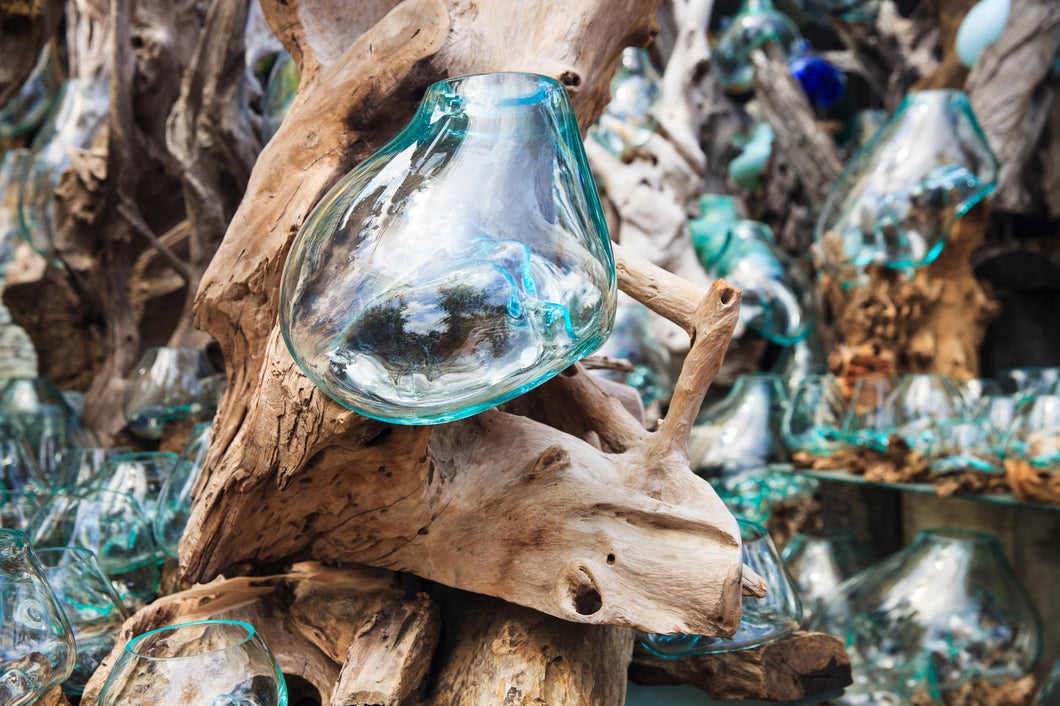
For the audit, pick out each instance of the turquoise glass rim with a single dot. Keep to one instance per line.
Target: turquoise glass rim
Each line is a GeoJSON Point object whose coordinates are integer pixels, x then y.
{"type": "Point", "coordinates": [130, 646]}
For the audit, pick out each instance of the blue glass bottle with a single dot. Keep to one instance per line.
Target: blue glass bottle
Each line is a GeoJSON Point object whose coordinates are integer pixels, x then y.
{"type": "Point", "coordinates": [462, 264]}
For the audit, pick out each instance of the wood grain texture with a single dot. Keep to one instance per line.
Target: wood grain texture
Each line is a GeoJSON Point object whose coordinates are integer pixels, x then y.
{"type": "Point", "coordinates": [498, 504]}
{"type": "Point", "coordinates": [798, 666]}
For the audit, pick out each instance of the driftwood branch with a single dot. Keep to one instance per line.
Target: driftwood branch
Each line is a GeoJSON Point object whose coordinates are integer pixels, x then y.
{"type": "Point", "coordinates": [795, 667]}
{"type": "Point", "coordinates": [1013, 97]}
{"type": "Point", "coordinates": [811, 153]}
{"type": "Point", "coordinates": [499, 503]}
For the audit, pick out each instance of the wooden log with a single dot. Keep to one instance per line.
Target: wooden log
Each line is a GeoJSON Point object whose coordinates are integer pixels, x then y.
{"type": "Point", "coordinates": [315, 620]}
{"type": "Point", "coordinates": [809, 150]}
{"type": "Point", "coordinates": [504, 654]}
{"type": "Point", "coordinates": [497, 504]}
{"type": "Point", "coordinates": [798, 666]}
{"type": "Point", "coordinates": [25, 27]}
{"type": "Point", "coordinates": [1013, 97]}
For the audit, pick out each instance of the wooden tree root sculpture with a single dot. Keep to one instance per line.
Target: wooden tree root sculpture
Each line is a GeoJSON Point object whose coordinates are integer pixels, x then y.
{"type": "Point", "coordinates": [798, 666]}
{"type": "Point", "coordinates": [605, 525]}
{"type": "Point", "coordinates": [359, 640]}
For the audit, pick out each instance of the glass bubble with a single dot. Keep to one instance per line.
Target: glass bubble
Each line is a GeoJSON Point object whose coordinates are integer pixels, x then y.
{"type": "Point", "coordinates": [742, 431]}
{"type": "Point", "coordinates": [91, 606]}
{"type": "Point", "coordinates": [627, 122]}
{"type": "Point", "coordinates": [138, 475]}
{"type": "Point", "coordinates": [174, 501]}
{"type": "Point", "coordinates": [168, 384]}
{"type": "Point", "coordinates": [30, 106]}
{"type": "Point", "coordinates": [36, 641]}
{"type": "Point", "coordinates": [942, 611]}
{"type": "Point", "coordinates": [463, 263]}
{"type": "Point", "coordinates": [113, 527]}
{"type": "Point", "coordinates": [819, 560]}
{"type": "Point", "coordinates": [80, 114]}
{"type": "Point", "coordinates": [632, 340]}
{"type": "Point", "coordinates": [898, 198]}
{"type": "Point", "coordinates": [280, 91]}
{"type": "Point", "coordinates": [813, 421]}
{"type": "Point", "coordinates": [764, 620]}
{"type": "Point", "coordinates": [757, 23]}
{"type": "Point", "coordinates": [215, 662]}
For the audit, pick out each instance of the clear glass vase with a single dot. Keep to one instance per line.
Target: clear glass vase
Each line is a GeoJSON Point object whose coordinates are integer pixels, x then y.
{"type": "Point", "coordinates": [757, 23]}
{"type": "Point", "coordinates": [30, 106]}
{"type": "Point", "coordinates": [742, 431]}
{"type": "Point", "coordinates": [918, 404]}
{"type": "Point", "coordinates": [777, 293]}
{"type": "Point", "coordinates": [821, 559]}
{"type": "Point", "coordinates": [462, 264]}
{"type": "Point", "coordinates": [168, 384]}
{"type": "Point", "coordinates": [632, 340]}
{"type": "Point", "coordinates": [12, 170]}
{"type": "Point", "coordinates": [813, 421]}
{"type": "Point", "coordinates": [216, 662]}
{"type": "Point", "coordinates": [627, 122]}
{"type": "Point", "coordinates": [964, 444]}
{"type": "Point", "coordinates": [866, 423]}
{"type": "Point", "coordinates": [36, 642]}
{"type": "Point", "coordinates": [943, 611]}
{"type": "Point", "coordinates": [1034, 435]}
{"type": "Point", "coordinates": [138, 475]}
{"type": "Point", "coordinates": [174, 502]}
{"type": "Point", "coordinates": [78, 117]}
{"type": "Point", "coordinates": [78, 466]}
{"type": "Point", "coordinates": [280, 91]}
{"type": "Point", "coordinates": [19, 508]}
{"type": "Point", "coordinates": [113, 527]}
{"type": "Point", "coordinates": [764, 620]}
{"type": "Point", "coordinates": [91, 606]}
{"type": "Point", "coordinates": [43, 418]}
{"type": "Point", "coordinates": [19, 471]}
{"type": "Point", "coordinates": [898, 198]}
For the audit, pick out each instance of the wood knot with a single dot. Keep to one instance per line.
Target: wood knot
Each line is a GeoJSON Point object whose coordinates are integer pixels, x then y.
{"type": "Point", "coordinates": [552, 461]}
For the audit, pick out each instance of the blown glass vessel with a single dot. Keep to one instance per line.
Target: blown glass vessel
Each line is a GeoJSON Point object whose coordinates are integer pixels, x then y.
{"type": "Point", "coordinates": [964, 444]}
{"type": "Point", "coordinates": [918, 404]}
{"type": "Point", "coordinates": [822, 82]}
{"type": "Point", "coordinates": [215, 662]}
{"type": "Point", "coordinates": [462, 264]}
{"type": "Point", "coordinates": [113, 527]}
{"type": "Point", "coordinates": [1034, 435]}
{"type": "Point", "coordinates": [942, 611]}
{"type": "Point", "coordinates": [78, 466]}
{"type": "Point", "coordinates": [169, 383]}
{"type": "Point", "coordinates": [29, 107]}
{"type": "Point", "coordinates": [742, 431]}
{"type": "Point", "coordinates": [764, 619]}
{"type": "Point", "coordinates": [12, 169]}
{"type": "Point", "coordinates": [627, 122]}
{"type": "Point", "coordinates": [632, 340]}
{"type": "Point", "coordinates": [91, 606]}
{"type": "Point", "coordinates": [821, 559]}
{"type": "Point", "coordinates": [757, 23]}
{"type": "Point", "coordinates": [174, 501]}
{"type": "Point", "coordinates": [898, 198]}
{"type": "Point", "coordinates": [19, 508]}
{"type": "Point", "coordinates": [75, 123]}
{"type": "Point", "coordinates": [280, 91]}
{"type": "Point", "coordinates": [36, 642]}
{"type": "Point", "coordinates": [866, 423]}
{"type": "Point", "coordinates": [777, 293]}
{"type": "Point", "coordinates": [138, 475]}
{"type": "Point", "coordinates": [813, 421]}
{"type": "Point", "coordinates": [19, 471]}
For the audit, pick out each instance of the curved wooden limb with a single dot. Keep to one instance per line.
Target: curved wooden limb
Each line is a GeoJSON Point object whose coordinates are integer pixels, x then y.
{"type": "Point", "coordinates": [351, 633]}
{"type": "Point", "coordinates": [498, 504]}
{"type": "Point", "coordinates": [798, 666]}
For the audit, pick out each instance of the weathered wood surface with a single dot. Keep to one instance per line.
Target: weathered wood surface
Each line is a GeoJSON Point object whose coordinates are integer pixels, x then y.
{"type": "Point", "coordinates": [798, 666]}
{"type": "Point", "coordinates": [351, 633]}
{"type": "Point", "coordinates": [498, 504]}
